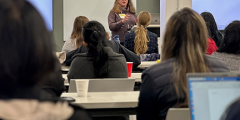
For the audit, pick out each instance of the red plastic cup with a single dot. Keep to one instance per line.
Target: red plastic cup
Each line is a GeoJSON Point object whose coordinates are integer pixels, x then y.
{"type": "Point", "coordinates": [129, 66]}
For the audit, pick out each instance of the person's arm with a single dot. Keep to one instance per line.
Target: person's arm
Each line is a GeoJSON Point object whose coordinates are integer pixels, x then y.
{"type": "Point", "coordinates": [130, 56]}
{"type": "Point", "coordinates": [113, 24]}
{"type": "Point", "coordinates": [147, 105]}
{"type": "Point", "coordinates": [68, 46]}
{"type": "Point", "coordinates": [54, 82]}
{"type": "Point", "coordinates": [69, 55]}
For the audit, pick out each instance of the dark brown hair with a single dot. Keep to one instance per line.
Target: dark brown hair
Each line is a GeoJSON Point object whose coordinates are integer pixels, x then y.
{"type": "Point", "coordinates": [26, 50]}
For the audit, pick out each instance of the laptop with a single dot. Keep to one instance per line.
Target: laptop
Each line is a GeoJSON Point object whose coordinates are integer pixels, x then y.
{"type": "Point", "coordinates": [106, 85]}
{"type": "Point", "coordinates": [211, 93]}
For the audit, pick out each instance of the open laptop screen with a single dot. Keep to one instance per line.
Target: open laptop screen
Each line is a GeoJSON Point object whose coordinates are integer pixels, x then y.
{"type": "Point", "coordinates": [210, 96]}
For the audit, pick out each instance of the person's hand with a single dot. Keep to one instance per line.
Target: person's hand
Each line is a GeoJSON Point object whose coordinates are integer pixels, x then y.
{"type": "Point", "coordinates": [126, 18]}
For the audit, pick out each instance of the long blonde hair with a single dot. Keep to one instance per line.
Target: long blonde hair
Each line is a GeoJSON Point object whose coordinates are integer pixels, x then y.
{"type": "Point", "coordinates": [185, 40]}
{"type": "Point", "coordinates": [141, 40]}
{"type": "Point", "coordinates": [77, 30]}
{"type": "Point", "coordinates": [116, 7]}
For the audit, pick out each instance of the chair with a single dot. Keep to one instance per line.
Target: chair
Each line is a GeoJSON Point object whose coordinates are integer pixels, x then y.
{"type": "Point", "coordinates": [178, 114]}
{"type": "Point", "coordinates": [105, 85]}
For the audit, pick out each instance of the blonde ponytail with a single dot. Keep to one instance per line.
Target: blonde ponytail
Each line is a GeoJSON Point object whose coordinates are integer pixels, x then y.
{"type": "Point", "coordinates": [141, 40]}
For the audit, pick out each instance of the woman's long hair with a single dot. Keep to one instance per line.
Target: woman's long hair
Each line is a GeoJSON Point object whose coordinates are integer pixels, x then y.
{"type": "Point", "coordinates": [213, 31]}
{"type": "Point", "coordinates": [141, 39]}
{"type": "Point", "coordinates": [26, 50]}
{"type": "Point", "coordinates": [116, 7]}
{"type": "Point", "coordinates": [77, 30]}
{"type": "Point", "coordinates": [185, 40]}
{"type": "Point", "coordinates": [95, 36]}
{"type": "Point", "coordinates": [231, 41]}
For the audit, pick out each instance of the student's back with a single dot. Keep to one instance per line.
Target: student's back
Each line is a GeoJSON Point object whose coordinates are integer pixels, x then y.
{"type": "Point", "coordinates": [28, 65]}
{"type": "Point", "coordinates": [100, 61]}
{"type": "Point", "coordinates": [164, 85]}
{"type": "Point", "coordinates": [142, 41]}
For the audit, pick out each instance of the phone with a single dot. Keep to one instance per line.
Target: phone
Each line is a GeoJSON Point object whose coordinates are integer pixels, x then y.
{"type": "Point", "coordinates": [69, 99]}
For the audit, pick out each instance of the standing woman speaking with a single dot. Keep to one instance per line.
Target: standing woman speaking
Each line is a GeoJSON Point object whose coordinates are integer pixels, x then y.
{"type": "Point", "coordinates": [121, 18]}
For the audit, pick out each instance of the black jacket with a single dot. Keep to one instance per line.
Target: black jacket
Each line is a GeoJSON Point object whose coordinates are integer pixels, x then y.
{"type": "Point", "coordinates": [116, 47]}
{"type": "Point", "coordinates": [232, 113]}
{"type": "Point", "coordinates": [157, 93]}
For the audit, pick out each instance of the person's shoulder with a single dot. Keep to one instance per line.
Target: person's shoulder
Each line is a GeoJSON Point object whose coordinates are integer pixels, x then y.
{"type": "Point", "coordinates": [160, 74]}
{"type": "Point", "coordinates": [216, 65]}
{"type": "Point", "coordinates": [80, 56]}
{"type": "Point", "coordinates": [152, 34]}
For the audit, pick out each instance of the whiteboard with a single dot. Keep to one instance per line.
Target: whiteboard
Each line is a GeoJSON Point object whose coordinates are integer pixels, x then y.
{"type": "Point", "coordinates": [93, 9]}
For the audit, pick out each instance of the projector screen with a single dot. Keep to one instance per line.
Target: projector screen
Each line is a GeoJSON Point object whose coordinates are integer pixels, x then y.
{"type": "Point", "coordinates": [45, 9]}
{"type": "Point", "coordinates": [224, 11]}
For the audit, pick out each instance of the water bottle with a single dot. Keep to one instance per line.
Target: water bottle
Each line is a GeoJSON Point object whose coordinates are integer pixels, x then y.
{"type": "Point", "coordinates": [116, 38]}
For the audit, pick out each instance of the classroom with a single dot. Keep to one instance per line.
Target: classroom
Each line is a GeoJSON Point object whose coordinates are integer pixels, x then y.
{"type": "Point", "coordinates": [119, 60]}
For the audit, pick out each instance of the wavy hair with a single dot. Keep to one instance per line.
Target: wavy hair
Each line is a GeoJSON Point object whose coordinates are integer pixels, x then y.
{"type": "Point", "coordinates": [95, 36]}
{"type": "Point", "coordinates": [77, 30]}
{"type": "Point", "coordinates": [141, 39]}
{"type": "Point", "coordinates": [116, 7]}
{"type": "Point", "coordinates": [185, 40]}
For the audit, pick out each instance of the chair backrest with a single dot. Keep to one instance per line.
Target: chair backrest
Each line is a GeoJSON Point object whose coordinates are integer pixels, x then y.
{"type": "Point", "coordinates": [106, 85]}
{"type": "Point", "coordinates": [178, 114]}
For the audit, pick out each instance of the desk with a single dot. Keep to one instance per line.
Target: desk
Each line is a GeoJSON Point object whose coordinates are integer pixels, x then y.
{"type": "Point", "coordinates": [107, 103]}
{"type": "Point", "coordinates": [142, 65]}
{"type": "Point", "coordinates": [147, 64]}
{"type": "Point", "coordinates": [65, 68]}
{"type": "Point", "coordinates": [136, 76]}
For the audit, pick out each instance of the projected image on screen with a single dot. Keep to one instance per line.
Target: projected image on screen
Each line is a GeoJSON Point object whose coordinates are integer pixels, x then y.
{"type": "Point", "coordinates": [224, 11]}
{"type": "Point", "coordinates": [45, 9]}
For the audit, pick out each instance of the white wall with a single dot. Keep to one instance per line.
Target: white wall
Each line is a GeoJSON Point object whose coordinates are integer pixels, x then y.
{"type": "Point", "coordinates": [92, 9]}
{"type": "Point", "coordinates": [167, 8]}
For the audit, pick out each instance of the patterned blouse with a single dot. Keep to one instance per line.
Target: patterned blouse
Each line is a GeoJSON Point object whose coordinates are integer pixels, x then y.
{"type": "Point", "coordinates": [231, 60]}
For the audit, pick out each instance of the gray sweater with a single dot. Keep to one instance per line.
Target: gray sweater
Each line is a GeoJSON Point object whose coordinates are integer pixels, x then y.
{"type": "Point", "coordinates": [231, 60]}
{"type": "Point", "coordinates": [82, 66]}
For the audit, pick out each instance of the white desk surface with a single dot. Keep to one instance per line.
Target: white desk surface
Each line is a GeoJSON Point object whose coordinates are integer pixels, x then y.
{"type": "Point", "coordinates": [142, 65]}
{"type": "Point", "coordinates": [65, 68]}
{"type": "Point", "coordinates": [106, 99]}
{"type": "Point", "coordinates": [147, 64]}
{"type": "Point", "coordinates": [136, 76]}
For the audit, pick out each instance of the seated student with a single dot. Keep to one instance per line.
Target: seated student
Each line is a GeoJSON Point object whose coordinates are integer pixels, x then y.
{"type": "Point", "coordinates": [213, 31]}
{"type": "Point", "coordinates": [76, 36]}
{"type": "Point", "coordinates": [232, 112]}
{"type": "Point", "coordinates": [212, 47]}
{"type": "Point", "coordinates": [100, 61]}
{"type": "Point", "coordinates": [164, 85]}
{"type": "Point", "coordinates": [116, 47]}
{"type": "Point", "coordinates": [142, 41]}
{"type": "Point", "coordinates": [27, 60]}
{"type": "Point", "coordinates": [229, 51]}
